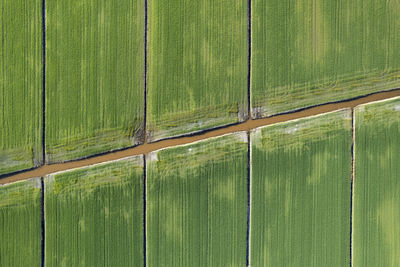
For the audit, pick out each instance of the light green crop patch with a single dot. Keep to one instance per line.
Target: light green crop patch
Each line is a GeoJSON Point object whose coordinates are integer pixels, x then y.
{"type": "Point", "coordinates": [20, 224]}
{"type": "Point", "coordinates": [94, 215]}
{"type": "Point", "coordinates": [198, 53]}
{"type": "Point", "coordinates": [307, 52]}
{"type": "Point", "coordinates": [197, 203]}
{"type": "Point", "coordinates": [301, 192]}
{"type": "Point", "coordinates": [94, 77]}
{"type": "Point", "coordinates": [20, 85]}
{"type": "Point", "coordinates": [376, 209]}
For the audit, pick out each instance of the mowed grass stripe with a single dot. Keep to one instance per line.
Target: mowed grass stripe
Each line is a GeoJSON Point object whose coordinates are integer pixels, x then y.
{"type": "Point", "coordinates": [376, 210]}
{"type": "Point", "coordinates": [300, 192]}
{"type": "Point", "coordinates": [20, 85]}
{"type": "Point", "coordinates": [20, 224]}
{"type": "Point", "coordinates": [94, 215]}
{"type": "Point", "coordinates": [197, 203]}
{"type": "Point", "coordinates": [94, 77]}
{"type": "Point", "coordinates": [308, 52]}
{"type": "Point", "coordinates": [197, 66]}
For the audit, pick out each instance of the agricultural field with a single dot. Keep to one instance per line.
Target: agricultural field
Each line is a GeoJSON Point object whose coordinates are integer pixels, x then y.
{"type": "Point", "coordinates": [301, 192]}
{"type": "Point", "coordinates": [94, 77]}
{"type": "Point", "coordinates": [81, 81]}
{"type": "Point", "coordinates": [20, 85]}
{"type": "Point", "coordinates": [376, 216]}
{"type": "Point", "coordinates": [20, 224]}
{"type": "Point", "coordinates": [197, 66]}
{"type": "Point", "coordinates": [306, 53]}
{"type": "Point", "coordinates": [196, 201]}
{"type": "Point", "coordinates": [94, 215]}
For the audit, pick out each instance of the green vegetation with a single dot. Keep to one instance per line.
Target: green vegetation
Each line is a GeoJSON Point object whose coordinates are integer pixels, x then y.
{"type": "Point", "coordinates": [20, 85]}
{"type": "Point", "coordinates": [308, 52]}
{"type": "Point", "coordinates": [376, 218]}
{"type": "Point", "coordinates": [300, 192]}
{"type": "Point", "coordinates": [20, 224]}
{"type": "Point", "coordinates": [94, 77]}
{"type": "Point", "coordinates": [198, 52]}
{"type": "Point", "coordinates": [197, 203]}
{"type": "Point", "coordinates": [94, 215]}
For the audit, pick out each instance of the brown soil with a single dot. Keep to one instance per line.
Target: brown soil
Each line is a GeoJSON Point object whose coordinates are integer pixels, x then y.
{"type": "Point", "coordinates": [245, 126]}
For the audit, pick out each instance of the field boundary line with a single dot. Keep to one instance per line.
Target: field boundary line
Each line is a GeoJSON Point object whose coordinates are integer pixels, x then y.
{"type": "Point", "coordinates": [146, 148]}
{"type": "Point", "coordinates": [248, 245]}
{"type": "Point", "coordinates": [353, 135]}
{"type": "Point", "coordinates": [43, 222]}
{"type": "Point", "coordinates": [249, 59]}
{"type": "Point", "coordinates": [145, 72]}
{"type": "Point", "coordinates": [43, 81]}
{"type": "Point", "coordinates": [144, 212]}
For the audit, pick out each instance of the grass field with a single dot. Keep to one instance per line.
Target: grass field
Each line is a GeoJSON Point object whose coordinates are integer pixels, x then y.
{"type": "Point", "coordinates": [300, 192]}
{"type": "Point", "coordinates": [376, 218]}
{"type": "Point", "coordinates": [94, 77]}
{"type": "Point", "coordinates": [94, 215]}
{"type": "Point", "coordinates": [20, 224]}
{"type": "Point", "coordinates": [197, 203]}
{"type": "Point", "coordinates": [197, 75]}
{"type": "Point", "coordinates": [20, 85]}
{"type": "Point", "coordinates": [308, 52]}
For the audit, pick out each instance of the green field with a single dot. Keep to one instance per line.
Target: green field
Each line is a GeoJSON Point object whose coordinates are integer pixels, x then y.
{"type": "Point", "coordinates": [197, 203]}
{"type": "Point", "coordinates": [20, 85]}
{"type": "Point", "coordinates": [94, 77]}
{"type": "Point", "coordinates": [301, 192]}
{"type": "Point", "coordinates": [308, 52]}
{"type": "Point", "coordinates": [376, 219]}
{"type": "Point", "coordinates": [20, 224]}
{"type": "Point", "coordinates": [94, 215]}
{"type": "Point", "coordinates": [197, 75]}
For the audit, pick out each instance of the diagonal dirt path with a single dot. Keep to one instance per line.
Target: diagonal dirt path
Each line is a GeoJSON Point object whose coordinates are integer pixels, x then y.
{"type": "Point", "coordinates": [244, 126]}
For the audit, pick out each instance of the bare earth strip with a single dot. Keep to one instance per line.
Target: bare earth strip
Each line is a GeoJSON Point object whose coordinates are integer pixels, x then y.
{"type": "Point", "coordinates": [245, 126]}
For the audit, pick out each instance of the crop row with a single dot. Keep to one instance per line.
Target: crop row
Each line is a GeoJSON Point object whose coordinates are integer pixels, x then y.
{"type": "Point", "coordinates": [317, 191]}
{"type": "Point", "coordinates": [76, 76]}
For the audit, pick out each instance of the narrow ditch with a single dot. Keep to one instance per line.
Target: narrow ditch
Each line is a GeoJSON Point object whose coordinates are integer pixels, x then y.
{"type": "Point", "coordinates": [145, 73]}
{"type": "Point", "coordinates": [144, 212]}
{"type": "Point", "coordinates": [44, 81]}
{"type": "Point", "coordinates": [43, 232]}
{"type": "Point", "coordinates": [248, 199]}
{"type": "Point", "coordinates": [145, 135]}
{"type": "Point", "coordinates": [43, 224]}
{"type": "Point", "coordinates": [248, 135]}
{"type": "Point", "coordinates": [249, 58]}
{"type": "Point", "coordinates": [352, 183]}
